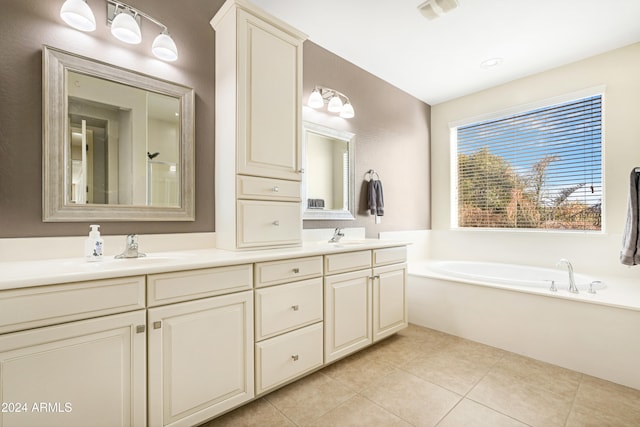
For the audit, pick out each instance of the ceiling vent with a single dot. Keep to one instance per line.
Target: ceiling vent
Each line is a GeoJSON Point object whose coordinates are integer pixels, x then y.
{"type": "Point", "coordinates": [432, 9]}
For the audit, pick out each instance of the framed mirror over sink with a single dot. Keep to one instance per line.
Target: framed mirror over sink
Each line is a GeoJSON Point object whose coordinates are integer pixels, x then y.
{"type": "Point", "coordinates": [117, 145]}
{"type": "Point", "coordinates": [328, 182]}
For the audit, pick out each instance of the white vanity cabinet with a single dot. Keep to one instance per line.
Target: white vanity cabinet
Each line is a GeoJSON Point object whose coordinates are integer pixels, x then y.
{"type": "Point", "coordinates": [288, 320]}
{"type": "Point", "coordinates": [365, 298]}
{"type": "Point", "coordinates": [258, 128]}
{"type": "Point", "coordinates": [201, 350]}
{"type": "Point", "coordinates": [61, 364]}
{"type": "Point", "coordinates": [180, 347]}
{"type": "Point", "coordinates": [390, 312]}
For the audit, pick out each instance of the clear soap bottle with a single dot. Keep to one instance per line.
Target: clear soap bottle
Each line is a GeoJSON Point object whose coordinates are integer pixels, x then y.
{"type": "Point", "coordinates": [94, 245]}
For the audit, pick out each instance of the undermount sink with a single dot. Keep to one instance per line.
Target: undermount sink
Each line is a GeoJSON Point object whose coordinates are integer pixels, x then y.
{"type": "Point", "coordinates": [350, 242]}
{"type": "Point", "coordinates": [151, 258]}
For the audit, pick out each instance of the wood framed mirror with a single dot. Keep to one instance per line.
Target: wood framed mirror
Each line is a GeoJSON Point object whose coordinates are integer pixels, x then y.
{"type": "Point", "coordinates": [117, 145]}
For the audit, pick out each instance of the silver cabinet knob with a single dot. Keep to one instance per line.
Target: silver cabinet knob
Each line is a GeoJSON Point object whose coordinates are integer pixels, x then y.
{"type": "Point", "coordinates": [295, 307]}
{"type": "Point", "coordinates": [276, 189]}
{"type": "Point", "coordinates": [296, 270]}
{"type": "Point", "coordinates": [294, 357]}
{"type": "Point", "coordinates": [276, 223]}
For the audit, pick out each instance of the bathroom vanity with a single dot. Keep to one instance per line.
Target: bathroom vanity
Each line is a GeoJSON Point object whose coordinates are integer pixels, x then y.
{"type": "Point", "coordinates": [178, 338]}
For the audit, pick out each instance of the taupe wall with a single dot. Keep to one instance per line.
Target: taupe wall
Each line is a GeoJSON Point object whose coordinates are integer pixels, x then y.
{"type": "Point", "coordinates": [392, 127]}
{"type": "Point", "coordinates": [392, 137]}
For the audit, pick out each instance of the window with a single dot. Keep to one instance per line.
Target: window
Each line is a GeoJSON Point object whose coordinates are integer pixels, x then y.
{"type": "Point", "coordinates": [539, 169]}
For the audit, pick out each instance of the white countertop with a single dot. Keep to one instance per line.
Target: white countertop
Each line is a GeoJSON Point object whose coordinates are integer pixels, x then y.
{"type": "Point", "coordinates": [21, 274]}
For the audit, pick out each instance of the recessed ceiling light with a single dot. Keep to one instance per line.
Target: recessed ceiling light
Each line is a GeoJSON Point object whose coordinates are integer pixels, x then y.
{"type": "Point", "coordinates": [490, 63]}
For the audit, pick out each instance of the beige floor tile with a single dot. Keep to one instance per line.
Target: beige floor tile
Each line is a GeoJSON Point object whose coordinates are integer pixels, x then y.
{"type": "Point", "coordinates": [530, 391]}
{"type": "Point", "coordinates": [357, 412]}
{"type": "Point", "coordinates": [457, 365]}
{"type": "Point", "coordinates": [398, 350]}
{"type": "Point", "coordinates": [359, 370]}
{"type": "Point", "coordinates": [603, 403]}
{"type": "Point", "coordinates": [418, 377]}
{"type": "Point", "coordinates": [309, 397]}
{"type": "Point", "coordinates": [539, 374]}
{"type": "Point", "coordinates": [471, 414]}
{"type": "Point", "coordinates": [258, 413]}
{"type": "Point", "coordinates": [413, 399]}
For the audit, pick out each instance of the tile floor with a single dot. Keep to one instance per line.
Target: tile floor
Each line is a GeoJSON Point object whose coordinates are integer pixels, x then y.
{"type": "Point", "coordinates": [421, 377]}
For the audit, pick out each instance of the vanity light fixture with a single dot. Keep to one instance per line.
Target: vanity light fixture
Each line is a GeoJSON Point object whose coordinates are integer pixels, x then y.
{"type": "Point", "coordinates": [125, 25]}
{"type": "Point", "coordinates": [333, 99]}
{"type": "Point", "coordinates": [77, 14]}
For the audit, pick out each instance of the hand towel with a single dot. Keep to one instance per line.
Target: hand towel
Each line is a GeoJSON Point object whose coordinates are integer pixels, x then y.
{"type": "Point", "coordinates": [375, 197]}
{"type": "Point", "coordinates": [630, 253]}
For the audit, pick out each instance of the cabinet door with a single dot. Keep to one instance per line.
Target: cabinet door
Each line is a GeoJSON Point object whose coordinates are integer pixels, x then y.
{"type": "Point", "coordinates": [200, 358]}
{"type": "Point", "coordinates": [84, 373]}
{"type": "Point", "coordinates": [389, 300]}
{"type": "Point", "coordinates": [347, 313]}
{"type": "Point", "coordinates": [269, 98]}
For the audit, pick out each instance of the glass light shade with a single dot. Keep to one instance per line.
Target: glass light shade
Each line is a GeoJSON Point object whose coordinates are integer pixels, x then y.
{"type": "Point", "coordinates": [347, 111]}
{"type": "Point", "coordinates": [335, 104]}
{"type": "Point", "coordinates": [165, 48]}
{"type": "Point", "coordinates": [315, 99]}
{"type": "Point", "coordinates": [78, 14]}
{"type": "Point", "coordinates": [125, 28]}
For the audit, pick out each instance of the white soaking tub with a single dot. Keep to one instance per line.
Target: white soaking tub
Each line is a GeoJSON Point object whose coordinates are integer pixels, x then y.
{"type": "Point", "coordinates": [512, 307]}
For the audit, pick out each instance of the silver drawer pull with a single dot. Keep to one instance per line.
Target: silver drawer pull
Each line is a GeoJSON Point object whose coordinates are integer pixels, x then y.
{"type": "Point", "coordinates": [296, 270]}
{"type": "Point", "coordinates": [295, 307]}
{"type": "Point", "coordinates": [276, 189]}
{"type": "Point", "coordinates": [276, 222]}
{"type": "Point", "coordinates": [294, 357]}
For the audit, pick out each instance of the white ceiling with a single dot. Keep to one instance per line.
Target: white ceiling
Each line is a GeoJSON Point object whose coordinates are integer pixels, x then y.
{"type": "Point", "coordinates": [439, 60]}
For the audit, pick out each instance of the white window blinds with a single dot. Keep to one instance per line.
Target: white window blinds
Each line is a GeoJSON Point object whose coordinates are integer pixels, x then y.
{"type": "Point", "coordinates": [541, 169]}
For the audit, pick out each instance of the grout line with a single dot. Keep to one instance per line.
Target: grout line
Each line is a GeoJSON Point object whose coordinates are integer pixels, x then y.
{"type": "Point", "coordinates": [573, 401]}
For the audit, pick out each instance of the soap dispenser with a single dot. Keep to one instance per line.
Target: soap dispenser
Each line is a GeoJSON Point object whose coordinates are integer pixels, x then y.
{"type": "Point", "coordinates": [94, 245]}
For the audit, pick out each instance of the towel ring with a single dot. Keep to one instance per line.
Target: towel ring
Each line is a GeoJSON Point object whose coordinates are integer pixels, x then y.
{"type": "Point", "coordinates": [371, 173]}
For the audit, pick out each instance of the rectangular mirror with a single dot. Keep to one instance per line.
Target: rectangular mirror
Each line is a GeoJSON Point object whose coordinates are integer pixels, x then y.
{"type": "Point", "coordinates": [328, 182]}
{"type": "Point", "coordinates": [117, 145]}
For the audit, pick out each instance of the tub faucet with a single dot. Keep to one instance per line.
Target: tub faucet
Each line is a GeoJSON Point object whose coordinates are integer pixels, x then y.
{"type": "Point", "coordinates": [131, 250]}
{"type": "Point", "coordinates": [572, 281]}
{"type": "Point", "coordinates": [337, 235]}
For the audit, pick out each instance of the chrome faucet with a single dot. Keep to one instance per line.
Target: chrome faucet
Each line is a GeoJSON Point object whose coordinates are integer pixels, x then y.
{"type": "Point", "coordinates": [572, 281]}
{"type": "Point", "coordinates": [337, 235]}
{"type": "Point", "coordinates": [131, 250]}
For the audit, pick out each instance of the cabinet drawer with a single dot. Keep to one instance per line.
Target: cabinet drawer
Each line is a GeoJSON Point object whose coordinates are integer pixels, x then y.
{"type": "Point", "coordinates": [178, 286]}
{"type": "Point", "coordinates": [288, 356]}
{"type": "Point", "coordinates": [386, 256]}
{"type": "Point", "coordinates": [263, 223]}
{"type": "Point", "coordinates": [253, 187]}
{"type": "Point", "coordinates": [349, 261]}
{"type": "Point", "coordinates": [283, 308]}
{"type": "Point", "coordinates": [47, 305]}
{"type": "Point", "coordinates": [276, 272]}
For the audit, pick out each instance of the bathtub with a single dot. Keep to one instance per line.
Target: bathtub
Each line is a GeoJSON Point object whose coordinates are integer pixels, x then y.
{"type": "Point", "coordinates": [518, 276]}
{"type": "Point", "coordinates": [512, 307]}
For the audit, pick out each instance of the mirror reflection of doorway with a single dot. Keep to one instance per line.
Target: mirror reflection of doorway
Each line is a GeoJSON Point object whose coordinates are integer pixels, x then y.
{"type": "Point", "coordinates": [89, 160]}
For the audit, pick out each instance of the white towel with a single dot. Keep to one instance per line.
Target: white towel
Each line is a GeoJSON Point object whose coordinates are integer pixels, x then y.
{"type": "Point", "coordinates": [630, 253]}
